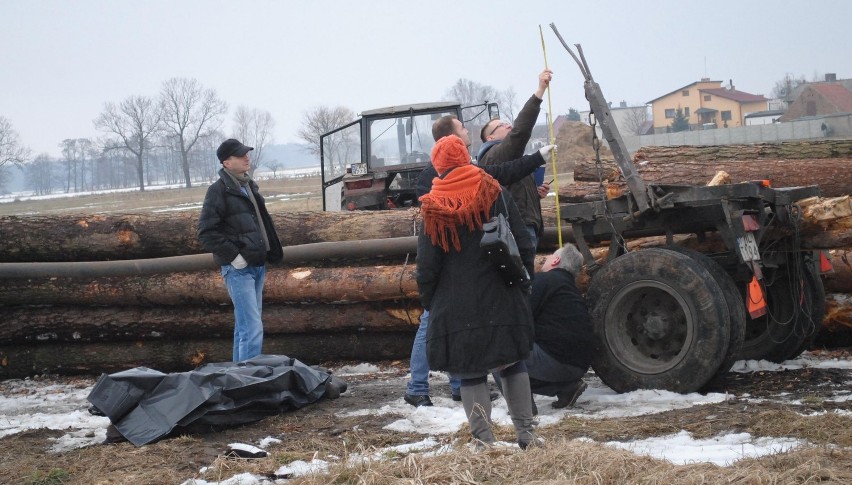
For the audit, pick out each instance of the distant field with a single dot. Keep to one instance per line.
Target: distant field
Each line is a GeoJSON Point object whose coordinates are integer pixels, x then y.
{"type": "Point", "coordinates": [283, 194]}
{"type": "Point", "coordinates": [295, 194]}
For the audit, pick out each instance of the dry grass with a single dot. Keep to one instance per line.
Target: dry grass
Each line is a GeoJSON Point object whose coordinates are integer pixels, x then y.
{"type": "Point", "coordinates": [574, 452]}
{"type": "Point", "coordinates": [565, 461]}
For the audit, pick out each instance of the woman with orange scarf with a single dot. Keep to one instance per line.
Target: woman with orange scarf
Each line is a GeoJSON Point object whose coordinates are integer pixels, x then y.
{"type": "Point", "coordinates": [478, 323]}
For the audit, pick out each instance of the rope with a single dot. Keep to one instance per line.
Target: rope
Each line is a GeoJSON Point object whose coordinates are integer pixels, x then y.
{"type": "Point", "coordinates": [552, 142]}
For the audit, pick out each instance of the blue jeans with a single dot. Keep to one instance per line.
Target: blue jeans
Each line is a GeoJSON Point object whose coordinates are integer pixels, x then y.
{"type": "Point", "coordinates": [548, 376]}
{"type": "Point", "coordinates": [533, 234]}
{"type": "Point", "coordinates": [246, 289]}
{"type": "Point", "coordinates": [419, 383]}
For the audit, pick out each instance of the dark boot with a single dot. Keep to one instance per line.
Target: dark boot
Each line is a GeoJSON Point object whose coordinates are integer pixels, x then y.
{"type": "Point", "coordinates": [568, 396]}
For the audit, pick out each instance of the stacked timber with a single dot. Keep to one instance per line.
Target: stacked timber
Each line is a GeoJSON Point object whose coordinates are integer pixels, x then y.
{"type": "Point", "coordinates": [827, 163]}
{"type": "Point", "coordinates": [163, 303]}
{"type": "Point", "coordinates": [166, 306]}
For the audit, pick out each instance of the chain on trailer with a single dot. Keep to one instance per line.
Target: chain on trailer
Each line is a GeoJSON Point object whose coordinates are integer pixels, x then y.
{"type": "Point", "coordinates": [596, 145]}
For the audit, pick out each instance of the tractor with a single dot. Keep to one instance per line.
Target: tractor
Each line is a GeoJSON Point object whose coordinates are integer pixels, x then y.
{"type": "Point", "coordinates": [373, 162]}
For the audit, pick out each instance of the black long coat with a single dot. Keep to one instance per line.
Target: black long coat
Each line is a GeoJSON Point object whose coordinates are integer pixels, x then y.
{"type": "Point", "coordinates": [228, 224]}
{"type": "Point", "coordinates": [476, 322]}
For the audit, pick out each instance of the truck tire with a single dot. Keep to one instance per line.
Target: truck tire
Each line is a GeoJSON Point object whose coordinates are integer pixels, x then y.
{"type": "Point", "coordinates": [661, 320]}
{"type": "Point", "coordinates": [777, 335]}
{"type": "Point", "coordinates": [736, 306]}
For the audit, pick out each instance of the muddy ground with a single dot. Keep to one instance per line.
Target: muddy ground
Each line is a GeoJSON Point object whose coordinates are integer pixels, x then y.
{"type": "Point", "coordinates": [318, 430]}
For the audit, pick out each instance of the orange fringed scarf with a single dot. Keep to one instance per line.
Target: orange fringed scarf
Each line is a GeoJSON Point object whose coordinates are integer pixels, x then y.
{"type": "Point", "coordinates": [464, 196]}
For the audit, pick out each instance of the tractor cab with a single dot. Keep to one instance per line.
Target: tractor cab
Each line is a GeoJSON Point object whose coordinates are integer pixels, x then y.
{"type": "Point", "coordinates": [373, 162]}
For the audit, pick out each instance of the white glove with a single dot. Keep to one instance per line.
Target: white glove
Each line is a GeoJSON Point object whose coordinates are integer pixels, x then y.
{"type": "Point", "coordinates": [239, 262]}
{"type": "Point", "coordinates": [546, 149]}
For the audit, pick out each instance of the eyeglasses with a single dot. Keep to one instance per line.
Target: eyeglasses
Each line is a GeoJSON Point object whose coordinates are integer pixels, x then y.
{"type": "Point", "coordinates": [499, 125]}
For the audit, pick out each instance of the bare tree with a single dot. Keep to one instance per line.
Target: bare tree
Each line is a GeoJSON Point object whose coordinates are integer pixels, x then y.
{"type": "Point", "coordinates": [254, 128]}
{"type": "Point", "coordinates": [784, 88]}
{"type": "Point", "coordinates": [134, 121]}
{"type": "Point", "coordinates": [190, 112]}
{"type": "Point", "coordinates": [507, 99]}
{"type": "Point", "coordinates": [68, 147]}
{"type": "Point", "coordinates": [11, 150]}
{"type": "Point", "coordinates": [635, 119]}
{"type": "Point", "coordinates": [39, 175]}
{"type": "Point", "coordinates": [275, 166]}
{"type": "Point", "coordinates": [321, 120]}
{"type": "Point", "coordinates": [468, 93]}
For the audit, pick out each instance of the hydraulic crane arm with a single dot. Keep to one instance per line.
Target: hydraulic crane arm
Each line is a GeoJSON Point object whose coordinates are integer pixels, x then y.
{"type": "Point", "coordinates": [600, 110]}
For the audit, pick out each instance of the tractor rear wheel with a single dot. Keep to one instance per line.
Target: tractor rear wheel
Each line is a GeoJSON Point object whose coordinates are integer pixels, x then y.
{"type": "Point", "coordinates": [736, 306]}
{"type": "Point", "coordinates": [662, 322]}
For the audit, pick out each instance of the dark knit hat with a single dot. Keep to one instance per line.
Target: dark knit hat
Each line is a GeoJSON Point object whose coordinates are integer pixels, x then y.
{"type": "Point", "coordinates": [231, 147]}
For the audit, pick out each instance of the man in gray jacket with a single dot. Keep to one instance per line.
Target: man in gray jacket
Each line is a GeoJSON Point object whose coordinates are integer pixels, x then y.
{"type": "Point", "coordinates": [504, 141]}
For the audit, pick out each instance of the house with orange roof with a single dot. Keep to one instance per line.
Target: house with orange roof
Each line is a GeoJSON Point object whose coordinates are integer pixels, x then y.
{"type": "Point", "coordinates": [706, 104]}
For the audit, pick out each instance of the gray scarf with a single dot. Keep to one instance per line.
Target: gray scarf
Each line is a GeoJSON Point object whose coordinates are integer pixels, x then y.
{"type": "Point", "coordinates": [243, 180]}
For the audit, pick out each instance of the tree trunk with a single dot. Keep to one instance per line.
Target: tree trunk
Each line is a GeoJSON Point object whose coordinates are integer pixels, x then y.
{"type": "Point", "coordinates": [156, 235]}
{"type": "Point", "coordinates": [840, 279]}
{"type": "Point", "coordinates": [755, 151]}
{"type": "Point", "coordinates": [832, 175]}
{"type": "Point", "coordinates": [838, 312]}
{"type": "Point", "coordinates": [589, 191]}
{"type": "Point", "coordinates": [44, 324]}
{"type": "Point", "coordinates": [826, 214]}
{"type": "Point", "coordinates": [18, 361]}
{"type": "Point", "coordinates": [300, 285]}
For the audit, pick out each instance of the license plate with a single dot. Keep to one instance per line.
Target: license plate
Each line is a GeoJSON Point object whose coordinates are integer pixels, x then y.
{"type": "Point", "coordinates": [748, 247]}
{"type": "Point", "coordinates": [359, 169]}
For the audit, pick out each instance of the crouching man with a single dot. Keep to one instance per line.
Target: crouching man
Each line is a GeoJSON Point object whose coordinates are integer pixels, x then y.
{"type": "Point", "coordinates": [564, 341]}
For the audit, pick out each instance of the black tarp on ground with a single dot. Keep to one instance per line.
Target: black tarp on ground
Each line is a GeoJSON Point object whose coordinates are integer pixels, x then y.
{"type": "Point", "coordinates": [145, 405]}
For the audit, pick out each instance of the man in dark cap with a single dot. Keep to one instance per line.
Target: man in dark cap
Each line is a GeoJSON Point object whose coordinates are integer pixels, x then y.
{"type": "Point", "coordinates": [236, 227]}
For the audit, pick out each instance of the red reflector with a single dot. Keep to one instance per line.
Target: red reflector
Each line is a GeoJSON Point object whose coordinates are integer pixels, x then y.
{"type": "Point", "coordinates": [824, 263]}
{"type": "Point", "coordinates": [750, 223]}
{"type": "Point", "coordinates": [359, 184]}
{"type": "Point", "coordinates": [756, 302]}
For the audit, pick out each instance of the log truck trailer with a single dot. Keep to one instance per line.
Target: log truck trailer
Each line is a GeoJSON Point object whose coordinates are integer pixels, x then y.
{"type": "Point", "coordinates": [673, 318]}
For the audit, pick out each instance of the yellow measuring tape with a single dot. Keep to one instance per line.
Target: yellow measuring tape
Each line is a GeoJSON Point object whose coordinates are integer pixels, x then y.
{"type": "Point", "coordinates": [552, 142]}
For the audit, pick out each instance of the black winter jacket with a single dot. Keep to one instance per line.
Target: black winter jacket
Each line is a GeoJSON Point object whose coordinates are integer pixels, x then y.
{"type": "Point", "coordinates": [563, 328]}
{"type": "Point", "coordinates": [524, 191]}
{"type": "Point", "coordinates": [505, 173]}
{"type": "Point", "coordinates": [228, 224]}
{"type": "Point", "coordinates": [476, 322]}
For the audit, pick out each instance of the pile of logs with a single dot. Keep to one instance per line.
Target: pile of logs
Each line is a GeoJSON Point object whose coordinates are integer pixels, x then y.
{"type": "Point", "coordinates": [61, 315]}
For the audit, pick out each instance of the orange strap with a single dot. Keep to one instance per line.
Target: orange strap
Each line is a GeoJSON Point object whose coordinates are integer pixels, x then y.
{"type": "Point", "coordinates": [756, 302]}
{"type": "Point", "coordinates": [824, 263]}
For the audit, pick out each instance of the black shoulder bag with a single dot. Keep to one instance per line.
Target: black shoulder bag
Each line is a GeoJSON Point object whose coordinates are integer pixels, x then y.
{"type": "Point", "coordinates": [500, 248]}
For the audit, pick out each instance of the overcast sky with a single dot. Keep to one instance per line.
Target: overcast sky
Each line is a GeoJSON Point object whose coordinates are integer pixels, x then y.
{"type": "Point", "coordinates": [61, 61]}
